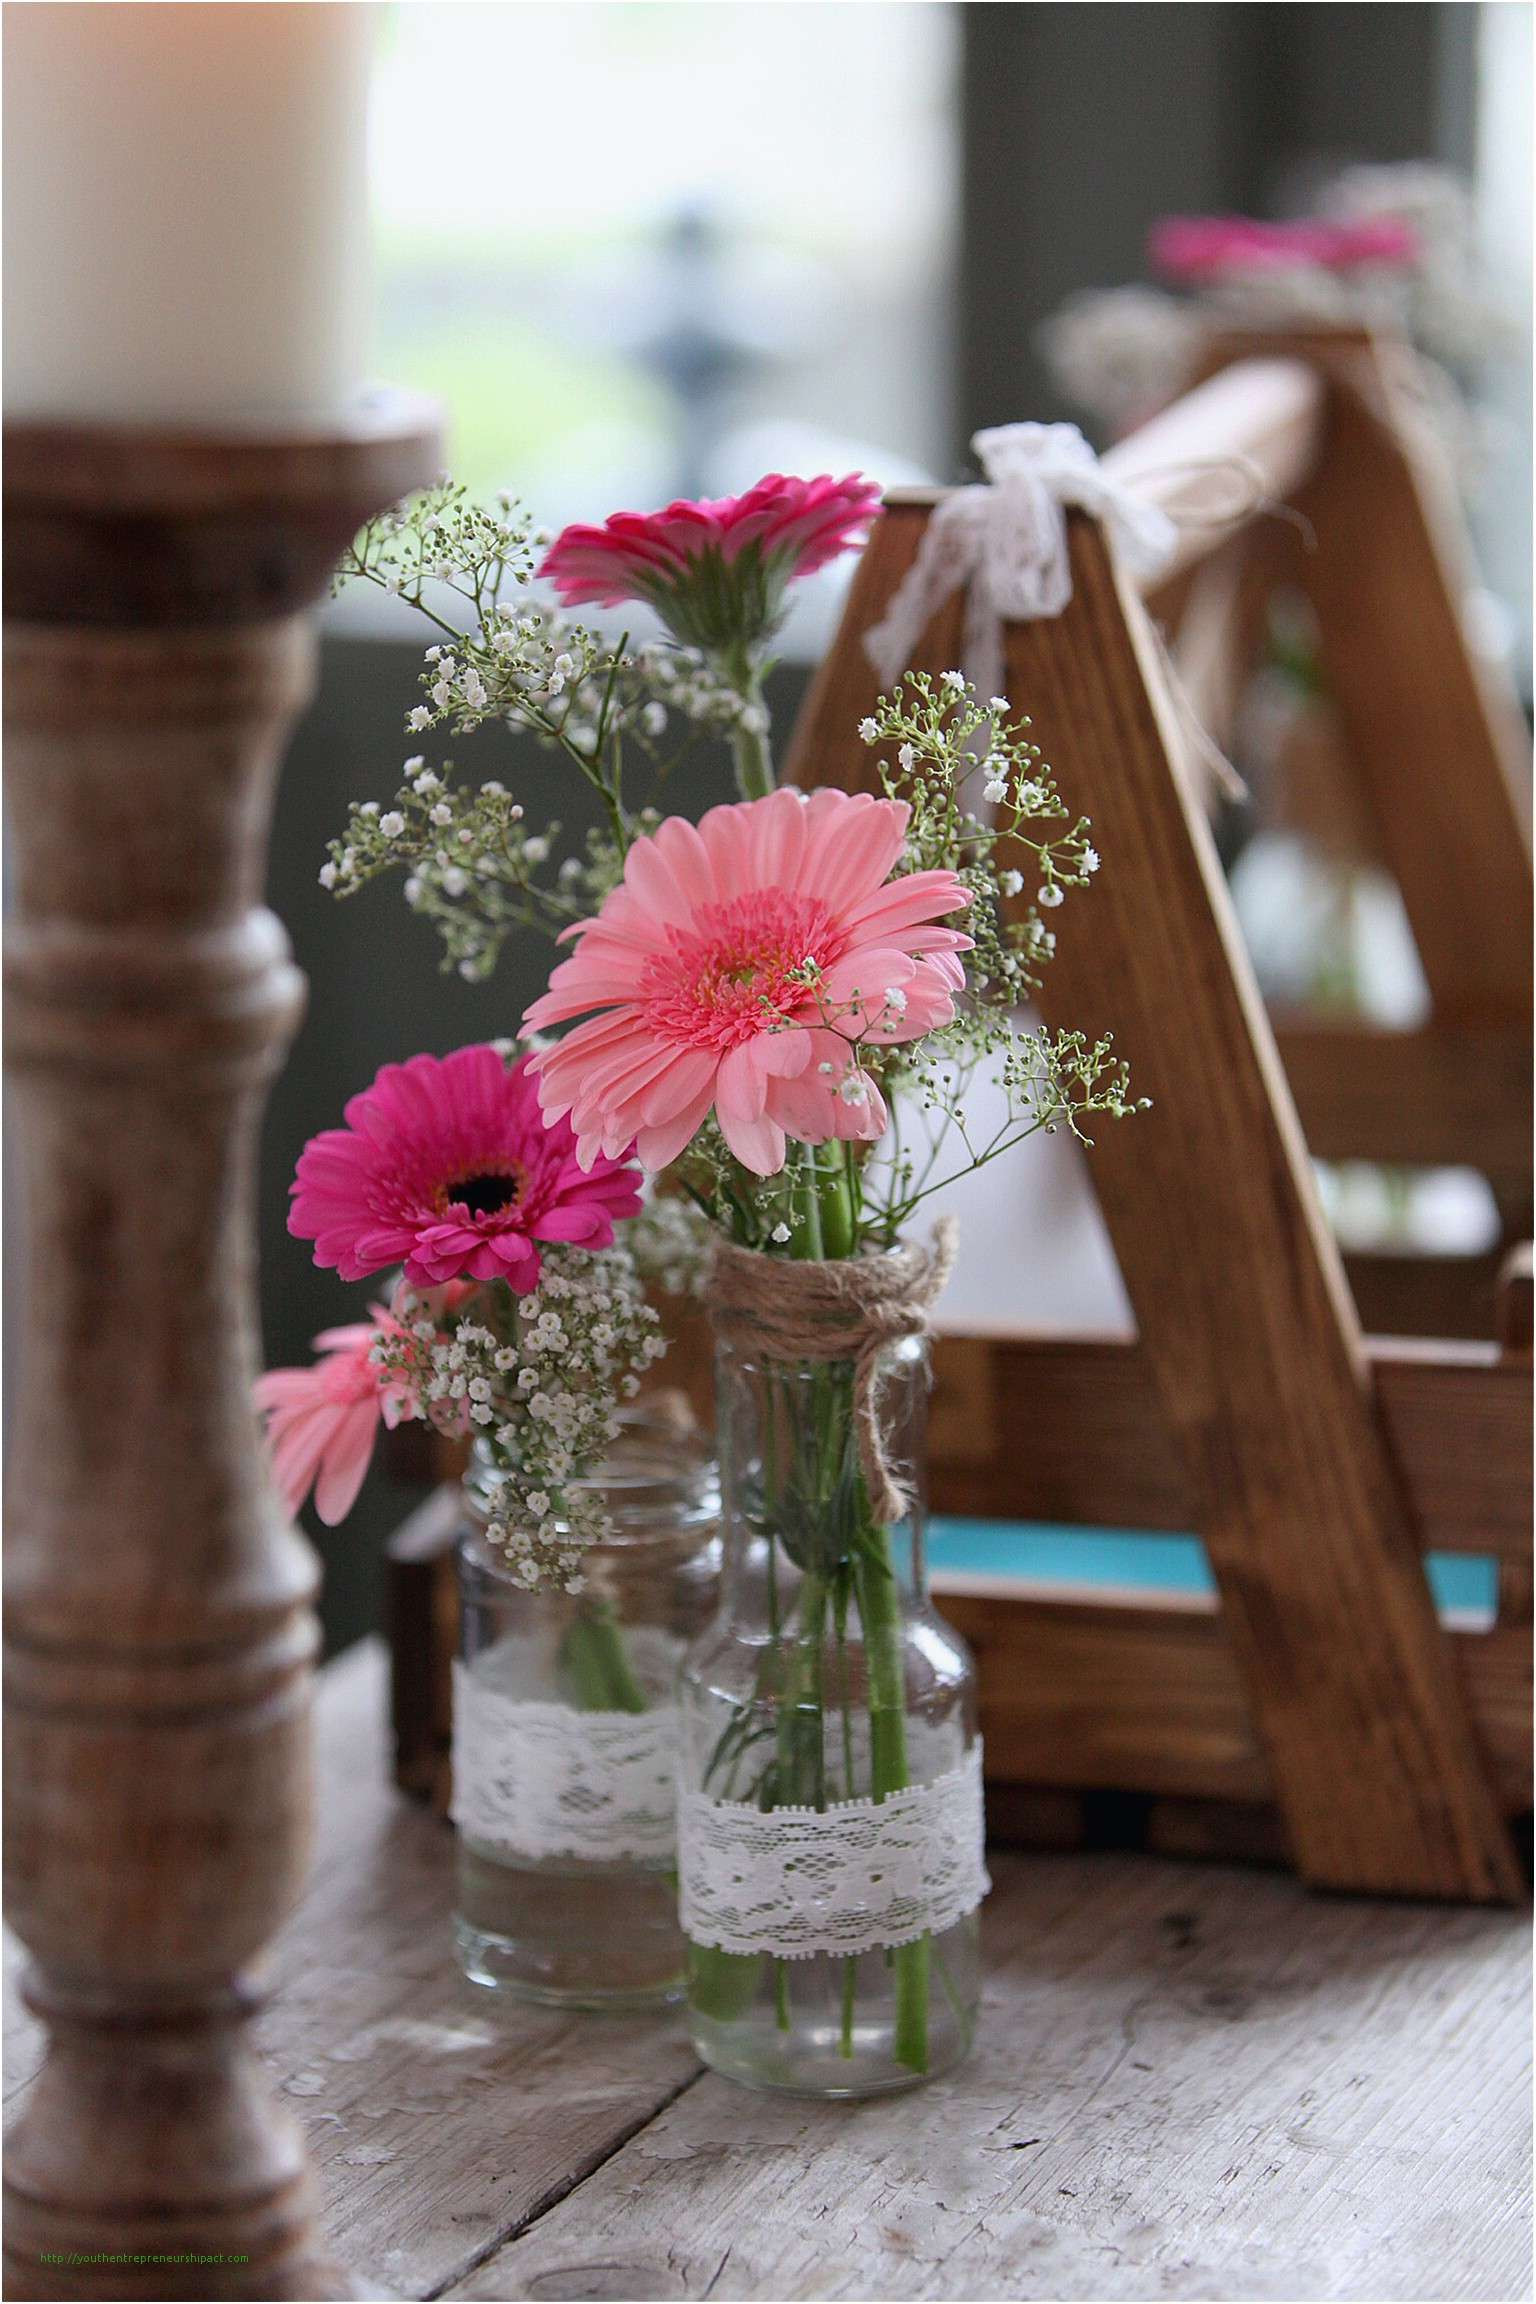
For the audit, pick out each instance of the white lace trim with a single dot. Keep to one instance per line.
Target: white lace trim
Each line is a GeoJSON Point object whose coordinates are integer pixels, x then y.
{"type": "Point", "coordinates": [855, 1877]}
{"type": "Point", "coordinates": [544, 1780]}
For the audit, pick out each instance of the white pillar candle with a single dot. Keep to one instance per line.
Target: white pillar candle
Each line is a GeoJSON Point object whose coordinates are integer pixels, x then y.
{"type": "Point", "coordinates": [185, 219]}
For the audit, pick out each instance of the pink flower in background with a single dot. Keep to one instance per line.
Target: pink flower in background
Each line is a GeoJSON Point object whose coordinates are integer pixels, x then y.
{"type": "Point", "coordinates": [735, 969]}
{"type": "Point", "coordinates": [1196, 250]}
{"type": "Point", "coordinates": [448, 1167]}
{"type": "Point", "coordinates": [715, 571]}
{"type": "Point", "coordinates": [322, 1421]}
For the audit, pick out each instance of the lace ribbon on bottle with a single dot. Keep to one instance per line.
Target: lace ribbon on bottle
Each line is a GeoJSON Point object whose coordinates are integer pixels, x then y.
{"type": "Point", "coordinates": [855, 1877]}
{"type": "Point", "coordinates": [540, 1779]}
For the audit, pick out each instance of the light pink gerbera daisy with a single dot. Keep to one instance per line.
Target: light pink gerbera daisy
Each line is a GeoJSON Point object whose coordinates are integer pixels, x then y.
{"type": "Point", "coordinates": [322, 1421]}
{"type": "Point", "coordinates": [737, 968]}
{"type": "Point", "coordinates": [716, 570]}
{"type": "Point", "coordinates": [448, 1167]}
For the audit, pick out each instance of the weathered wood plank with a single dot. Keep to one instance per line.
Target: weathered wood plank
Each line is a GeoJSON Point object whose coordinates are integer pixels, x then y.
{"type": "Point", "coordinates": [1190, 2082]}
{"type": "Point", "coordinates": [1187, 2083]}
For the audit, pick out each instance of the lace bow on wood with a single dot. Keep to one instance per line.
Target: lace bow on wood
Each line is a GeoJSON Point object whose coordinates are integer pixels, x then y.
{"type": "Point", "coordinates": [1005, 540]}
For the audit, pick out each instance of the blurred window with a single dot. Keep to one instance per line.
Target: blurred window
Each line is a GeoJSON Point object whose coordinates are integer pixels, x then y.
{"type": "Point", "coordinates": [652, 250]}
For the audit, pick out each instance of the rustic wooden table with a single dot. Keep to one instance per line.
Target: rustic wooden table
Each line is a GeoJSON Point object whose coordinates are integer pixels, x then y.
{"type": "Point", "coordinates": [1190, 2082]}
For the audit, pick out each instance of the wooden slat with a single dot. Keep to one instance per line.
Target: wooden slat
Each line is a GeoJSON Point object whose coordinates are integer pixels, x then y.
{"type": "Point", "coordinates": [1237, 1290]}
{"type": "Point", "coordinates": [1111, 1695]}
{"type": "Point", "coordinates": [1429, 1098]}
{"type": "Point", "coordinates": [1435, 736]}
{"type": "Point", "coordinates": [1412, 1297]}
{"type": "Point", "coordinates": [1072, 1432]}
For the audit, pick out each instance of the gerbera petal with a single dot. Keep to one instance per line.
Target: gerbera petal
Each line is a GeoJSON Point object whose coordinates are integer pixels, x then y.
{"type": "Point", "coordinates": [657, 1147]}
{"type": "Point", "coordinates": [758, 1144]}
{"type": "Point", "coordinates": [345, 1463]}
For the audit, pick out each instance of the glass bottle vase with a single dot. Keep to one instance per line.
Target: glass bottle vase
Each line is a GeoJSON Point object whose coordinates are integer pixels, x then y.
{"type": "Point", "coordinates": [565, 1738]}
{"type": "Point", "coordinates": [830, 1818]}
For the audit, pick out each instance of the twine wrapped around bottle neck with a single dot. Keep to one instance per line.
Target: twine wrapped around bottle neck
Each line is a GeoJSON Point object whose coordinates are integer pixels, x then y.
{"type": "Point", "coordinates": [849, 1308]}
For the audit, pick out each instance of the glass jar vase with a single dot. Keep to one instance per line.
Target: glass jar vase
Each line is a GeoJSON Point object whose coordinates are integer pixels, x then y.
{"type": "Point", "coordinates": [565, 1738]}
{"type": "Point", "coordinates": [830, 1849]}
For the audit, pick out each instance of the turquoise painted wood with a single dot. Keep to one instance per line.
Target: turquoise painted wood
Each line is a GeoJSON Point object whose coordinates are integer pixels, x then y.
{"type": "Point", "coordinates": [1136, 1560]}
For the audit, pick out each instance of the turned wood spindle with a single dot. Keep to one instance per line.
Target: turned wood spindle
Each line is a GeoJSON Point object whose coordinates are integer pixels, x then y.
{"type": "Point", "coordinates": [160, 1634]}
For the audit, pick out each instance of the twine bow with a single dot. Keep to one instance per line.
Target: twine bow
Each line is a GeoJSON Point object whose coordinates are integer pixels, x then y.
{"type": "Point", "coordinates": [1005, 539]}
{"type": "Point", "coordinates": [848, 1309]}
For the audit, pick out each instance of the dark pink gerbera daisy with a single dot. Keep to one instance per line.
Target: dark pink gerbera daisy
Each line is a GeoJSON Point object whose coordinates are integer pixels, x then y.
{"type": "Point", "coordinates": [448, 1167]}
{"type": "Point", "coordinates": [1198, 251]}
{"type": "Point", "coordinates": [715, 571]}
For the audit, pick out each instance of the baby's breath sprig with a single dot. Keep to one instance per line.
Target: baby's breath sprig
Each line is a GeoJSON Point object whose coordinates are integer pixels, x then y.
{"type": "Point", "coordinates": [473, 869]}
{"type": "Point", "coordinates": [538, 1380]}
{"type": "Point", "coordinates": [443, 539]}
{"type": "Point", "coordinates": [984, 805]}
{"type": "Point", "coordinates": [505, 656]}
{"type": "Point", "coordinates": [943, 751]}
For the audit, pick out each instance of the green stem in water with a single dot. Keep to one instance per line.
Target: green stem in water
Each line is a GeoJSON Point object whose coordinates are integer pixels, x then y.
{"type": "Point", "coordinates": [594, 1656]}
{"type": "Point", "coordinates": [880, 1616]}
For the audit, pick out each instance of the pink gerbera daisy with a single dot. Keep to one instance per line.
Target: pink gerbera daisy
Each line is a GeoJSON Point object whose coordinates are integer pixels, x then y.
{"type": "Point", "coordinates": [1198, 250]}
{"type": "Point", "coordinates": [716, 570]}
{"type": "Point", "coordinates": [737, 968]}
{"type": "Point", "coordinates": [448, 1167]}
{"type": "Point", "coordinates": [322, 1421]}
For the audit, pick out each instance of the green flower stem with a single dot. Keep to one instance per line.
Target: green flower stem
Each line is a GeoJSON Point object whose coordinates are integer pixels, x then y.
{"type": "Point", "coordinates": [594, 1655]}
{"type": "Point", "coordinates": [751, 752]}
{"type": "Point", "coordinates": [723, 1985]}
{"type": "Point", "coordinates": [880, 1616]}
{"type": "Point", "coordinates": [830, 1230]}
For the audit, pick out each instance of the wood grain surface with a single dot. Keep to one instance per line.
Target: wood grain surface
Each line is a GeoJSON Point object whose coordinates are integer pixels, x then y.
{"type": "Point", "coordinates": [1191, 2081]}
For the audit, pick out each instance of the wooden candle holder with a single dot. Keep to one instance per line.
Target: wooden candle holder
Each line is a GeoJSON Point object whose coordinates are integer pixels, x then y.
{"type": "Point", "coordinates": [159, 1633]}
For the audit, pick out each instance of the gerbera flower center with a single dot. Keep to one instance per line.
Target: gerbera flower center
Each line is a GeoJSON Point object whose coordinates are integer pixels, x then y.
{"type": "Point", "coordinates": [488, 1192]}
{"type": "Point", "coordinates": [740, 971]}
